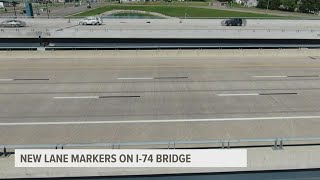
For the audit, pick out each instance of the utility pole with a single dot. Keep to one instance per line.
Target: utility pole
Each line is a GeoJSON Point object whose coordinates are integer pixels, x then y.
{"type": "Point", "coordinates": [268, 5]}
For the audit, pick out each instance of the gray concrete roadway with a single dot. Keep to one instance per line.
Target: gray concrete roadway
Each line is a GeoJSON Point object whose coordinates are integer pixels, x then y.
{"type": "Point", "coordinates": [166, 28]}
{"type": "Point", "coordinates": [105, 100]}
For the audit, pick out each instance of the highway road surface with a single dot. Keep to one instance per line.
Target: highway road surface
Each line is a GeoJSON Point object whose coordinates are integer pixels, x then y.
{"type": "Point", "coordinates": [95, 100]}
{"type": "Point", "coordinates": [165, 28]}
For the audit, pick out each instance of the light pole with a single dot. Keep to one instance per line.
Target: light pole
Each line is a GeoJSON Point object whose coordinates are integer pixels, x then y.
{"type": "Point", "coordinates": [14, 3]}
{"type": "Point", "coordinates": [47, 9]}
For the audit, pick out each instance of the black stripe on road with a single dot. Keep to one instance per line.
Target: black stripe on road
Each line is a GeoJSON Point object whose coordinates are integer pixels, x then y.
{"type": "Point", "coordinates": [119, 96]}
{"type": "Point", "coordinates": [304, 76]}
{"type": "Point", "coordinates": [266, 94]}
{"type": "Point", "coordinates": [28, 79]}
{"type": "Point", "coordinates": [313, 58]}
{"type": "Point", "coordinates": [170, 78]}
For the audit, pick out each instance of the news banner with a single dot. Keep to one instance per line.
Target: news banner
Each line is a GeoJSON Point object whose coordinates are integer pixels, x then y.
{"type": "Point", "coordinates": [130, 158]}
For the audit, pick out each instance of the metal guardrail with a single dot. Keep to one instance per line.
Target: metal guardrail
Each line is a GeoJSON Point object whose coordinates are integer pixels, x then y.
{"type": "Point", "coordinates": [275, 143]}
{"type": "Point", "coordinates": [76, 28]}
{"type": "Point", "coordinates": [158, 47]}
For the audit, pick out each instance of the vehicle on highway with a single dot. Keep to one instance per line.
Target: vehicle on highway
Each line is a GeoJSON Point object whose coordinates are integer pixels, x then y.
{"type": "Point", "coordinates": [13, 23]}
{"type": "Point", "coordinates": [234, 22]}
{"type": "Point", "coordinates": [91, 21]}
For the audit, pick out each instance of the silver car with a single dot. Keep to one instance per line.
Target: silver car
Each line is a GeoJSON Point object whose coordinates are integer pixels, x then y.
{"type": "Point", "coordinates": [91, 21]}
{"type": "Point", "coordinates": [13, 23]}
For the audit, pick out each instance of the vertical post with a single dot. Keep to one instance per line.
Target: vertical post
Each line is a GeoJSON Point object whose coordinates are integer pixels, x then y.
{"type": "Point", "coordinates": [275, 144]}
{"type": "Point", "coordinates": [15, 12]}
{"type": "Point", "coordinates": [268, 5]}
{"type": "Point", "coordinates": [5, 152]}
{"type": "Point", "coordinates": [281, 144]}
{"type": "Point", "coordinates": [47, 8]}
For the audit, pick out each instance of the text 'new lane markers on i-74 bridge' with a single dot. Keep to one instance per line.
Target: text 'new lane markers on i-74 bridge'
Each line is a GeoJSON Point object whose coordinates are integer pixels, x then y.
{"type": "Point", "coordinates": [158, 121]}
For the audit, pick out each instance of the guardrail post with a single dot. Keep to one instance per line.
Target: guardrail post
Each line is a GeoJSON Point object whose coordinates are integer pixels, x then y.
{"type": "Point", "coordinates": [222, 146]}
{"type": "Point", "coordinates": [281, 144]}
{"type": "Point", "coordinates": [4, 151]}
{"type": "Point", "coordinates": [278, 146]}
{"type": "Point", "coordinates": [228, 145]}
{"type": "Point", "coordinates": [275, 144]}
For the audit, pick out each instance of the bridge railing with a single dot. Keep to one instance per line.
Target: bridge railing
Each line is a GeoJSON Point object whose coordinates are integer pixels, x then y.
{"type": "Point", "coordinates": [275, 143]}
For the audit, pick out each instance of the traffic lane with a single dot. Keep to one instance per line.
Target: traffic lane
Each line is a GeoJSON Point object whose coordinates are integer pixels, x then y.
{"type": "Point", "coordinates": [154, 104]}
{"type": "Point", "coordinates": [122, 24]}
{"type": "Point", "coordinates": [159, 75]}
{"type": "Point", "coordinates": [174, 131]}
{"type": "Point", "coordinates": [32, 87]}
{"type": "Point", "coordinates": [152, 63]}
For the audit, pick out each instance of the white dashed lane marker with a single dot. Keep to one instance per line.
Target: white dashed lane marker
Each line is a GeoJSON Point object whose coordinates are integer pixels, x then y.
{"type": "Point", "coordinates": [285, 76]}
{"type": "Point", "coordinates": [150, 78]}
{"type": "Point", "coordinates": [237, 94]}
{"type": "Point", "coordinates": [258, 94]}
{"type": "Point", "coordinates": [142, 78]}
{"type": "Point", "coordinates": [25, 79]}
{"type": "Point", "coordinates": [92, 97]}
{"type": "Point", "coordinates": [76, 97]}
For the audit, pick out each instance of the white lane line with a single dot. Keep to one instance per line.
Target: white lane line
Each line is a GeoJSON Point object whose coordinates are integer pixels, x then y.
{"type": "Point", "coordinates": [237, 94]}
{"type": "Point", "coordinates": [141, 78]}
{"type": "Point", "coordinates": [6, 79]}
{"type": "Point", "coordinates": [76, 97]}
{"type": "Point", "coordinates": [158, 121]}
{"type": "Point", "coordinates": [269, 76]}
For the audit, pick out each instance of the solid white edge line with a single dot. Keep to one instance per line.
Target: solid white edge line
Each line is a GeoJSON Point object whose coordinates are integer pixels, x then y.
{"type": "Point", "coordinates": [76, 97]}
{"type": "Point", "coordinates": [6, 79]}
{"type": "Point", "coordinates": [269, 76]}
{"type": "Point", "coordinates": [142, 78]}
{"type": "Point", "coordinates": [237, 94]}
{"type": "Point", "coordinates": [159, 121]}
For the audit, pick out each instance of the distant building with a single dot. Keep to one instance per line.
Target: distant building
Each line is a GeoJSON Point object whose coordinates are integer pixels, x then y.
{"type": "Point", "coordinates": [5, 3]}
{"type": "Point", "coordinates": [248, 3]}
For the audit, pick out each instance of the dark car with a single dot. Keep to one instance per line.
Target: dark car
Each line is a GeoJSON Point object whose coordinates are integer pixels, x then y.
{"type": "Point", "coordinates": [234, 22]}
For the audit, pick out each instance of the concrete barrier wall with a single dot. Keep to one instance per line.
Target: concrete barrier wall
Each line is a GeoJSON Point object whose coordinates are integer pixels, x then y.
{"type": "Point", "coordinates": [160, 53]}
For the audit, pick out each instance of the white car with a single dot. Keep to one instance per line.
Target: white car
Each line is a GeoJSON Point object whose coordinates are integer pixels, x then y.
{"type": "Point", "coordinates": [12, 23]}
{"type": "Point", "coordinates": [91, 21]}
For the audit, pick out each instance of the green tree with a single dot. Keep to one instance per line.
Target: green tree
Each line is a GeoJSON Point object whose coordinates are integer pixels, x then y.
{"type": "Point", "coordinates": [309, 6]}
{"type": "Point", "coordinates": [269, 4]}
{"type": "Point", "coordinates": [263, 4]}
{"type": "Point", "coordinates": [274, 4]}
{"type": "Point", "coordinates": [289, 5]}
